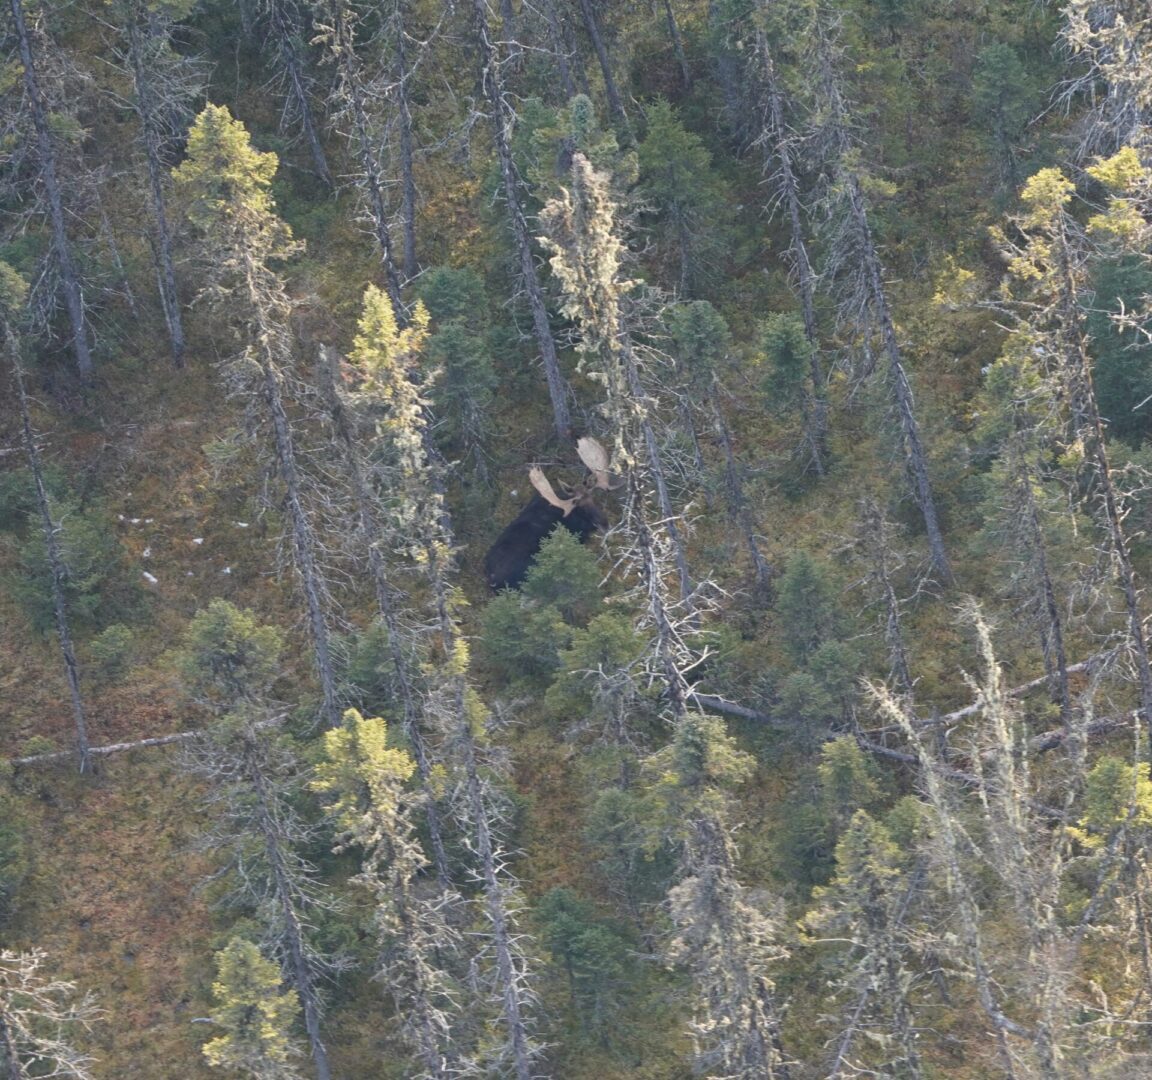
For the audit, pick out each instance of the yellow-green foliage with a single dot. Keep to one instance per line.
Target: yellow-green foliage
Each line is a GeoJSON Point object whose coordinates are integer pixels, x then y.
{"type": "Point", "coordinates": [256, 1017]}
{"type": "Point", "coordinates": [362, 774]}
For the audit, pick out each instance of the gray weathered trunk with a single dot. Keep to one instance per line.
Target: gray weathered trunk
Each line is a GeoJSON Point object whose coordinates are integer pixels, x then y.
{"type": "Point", "coordinates": [738, 505]}
{"type": "Point", "coordinates": [58, 572]}
{"type": "Point", "coordinates": [592, 29]}
{"type": "Point", "coordinates": [284, 24]}
{"type": "Point", "coordinates": [49, 177]}
{"type": "Point", "coordinates": [407, 165]}
{"type": "Point", "coordinates": [778, 145]}
{"type": "Point", "coordinates": [914, 453]}
{"type": "Point", "coordinates": [153, 137]}
{"type": "Point", "coordinates": [1090, 427]}
{"type": "Point", "coordinates": [303, 543]}
{"type": "Point", "coordinates": [301, 970]}
{"type": "Point", "coordinates": [303, 538]}
{"type": "Point", "coordinates": [677, 44]}
{"type": "Point", "coordinates": [502, 121]}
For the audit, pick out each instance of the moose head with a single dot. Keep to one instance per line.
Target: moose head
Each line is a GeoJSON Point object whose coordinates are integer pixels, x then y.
{"type": "Point", "coordinates": [510, 557]}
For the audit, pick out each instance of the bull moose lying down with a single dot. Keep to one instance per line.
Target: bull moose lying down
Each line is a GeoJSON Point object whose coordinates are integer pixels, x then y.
{"type": "Point", "coordinates": [510, 557]}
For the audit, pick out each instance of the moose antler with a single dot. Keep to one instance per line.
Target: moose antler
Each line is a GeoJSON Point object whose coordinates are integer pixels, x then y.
{"type": "Point", "coordinates": [540, 482]}
{"type": "Point", "coordinates": [595, 459]}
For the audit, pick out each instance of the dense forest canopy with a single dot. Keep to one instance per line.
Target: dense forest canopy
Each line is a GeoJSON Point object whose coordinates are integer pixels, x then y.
{"type": "Point", "coordinates": [580, 539]}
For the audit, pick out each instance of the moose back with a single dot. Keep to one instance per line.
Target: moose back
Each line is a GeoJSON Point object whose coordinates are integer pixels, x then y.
{"type": "Point", "coordinates": [511, 556]}
{"type": "Point", "coordinates": [509, 559]}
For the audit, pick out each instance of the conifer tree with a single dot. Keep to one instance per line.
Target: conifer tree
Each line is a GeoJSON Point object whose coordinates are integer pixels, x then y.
{"type": "Point", "coordinates": [32, 46]}
{"type": "Point", "coordinates": [164, 83]}
{"type": "Point", "coordinates": [13, 295]}
{"type": "Point", "coordinates": [225, 184]}
{"type": "Point", "coordinates": [228, 663]}
{"type": "Point", "coordinates": [503, 118]}
{"type": "Point", "coordinates": [350, 415]}
{"type": "Point", "coordinates": [728, 943]}
{"type": "Point", "coordinates": [254, 1014]}
{"type": "Point", "coordinates": [684, 196]}
{"type": "Point", "coordinates": [721, 936]}
{"type": "Point", "coordinates": [372, 810]}
{"type": "Point", "coordinates": [452, 705]}
{"type": "Point", "coordinates": [866, 903]}
{"type": "Point", "coordinates": [1050, 261]}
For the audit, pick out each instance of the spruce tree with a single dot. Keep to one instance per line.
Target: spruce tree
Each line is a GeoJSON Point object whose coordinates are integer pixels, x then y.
{"type": "Point", "coordinates": [225, 184]}
{"type": "Point", "coordinates": [255, 1015]}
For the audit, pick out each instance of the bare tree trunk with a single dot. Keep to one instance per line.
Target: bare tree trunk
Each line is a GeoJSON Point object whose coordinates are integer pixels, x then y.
{"type": "Point", "coordinates": [778, 142]}
{"type": "Point", "coordinates": [515, 996]}
{"type": "Point", "coordinates": [508, 972]}
{"type": "Point", "coordinates": [737, 500]}
{"type": "Point", "coordinates": [914, 453]}
{"type": "Point", "coordinates": [407, 174]}
{"type": "Point", "coordinates": [560, 49]}
{"type": "Point", "coordinates": [153, 140]}
{"type": "Point", "coordinates": [46, 150]}
{"type": "Point", "coordinates": [592, 28]}
{"type": "Point", "coordinates": [304, 545]}
{"type": "Point", "coordinates": [1052, 628]}
{"type": "Point", "coordinates": [11, 1056]}
{"type": "Point", "coordinates": [877, 541]}
{"type": "Point", "coordinates": [300, 968]}
{"type": "Point", "coordinates": [1090, 428]}
{"type": "Point", "coordinates": [57, 570]}
{"type": "Point", "coordinates": [502, 121]}
{"type": "Point", "coordinates": [284, 24]}
{"type": "Point", "coordinates": [677, 45]}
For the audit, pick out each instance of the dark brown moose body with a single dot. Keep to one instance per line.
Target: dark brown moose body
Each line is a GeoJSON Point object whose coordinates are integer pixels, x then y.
{"type": "Point", "coordinates": [510, 557]}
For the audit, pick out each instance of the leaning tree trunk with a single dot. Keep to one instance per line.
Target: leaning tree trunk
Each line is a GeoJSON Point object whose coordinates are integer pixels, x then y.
{"type": "Point", "coordinates": [300, 970]}
{"type": "Point", "coordinates": [407, 173]}
{"type": "Point", "coordinates": [284, 29]}
{"type": "Point", "coordinates": [58, 572]}
{"type": "Point", "coordinates": [914, 453]}
{"type": "Point", "coordinates": [46, 149]}
{"type": "Point", "coordinates": [592, 29]}
{"type": "Point", "coordinates": [1090, 428]}
{"type": "Point", "coordinates": [502, 121]}
{"type": "Point", "coordinates": [778, 143]}
{"type": "Point", "coordinates": [303, 537]}
{"type": "Point", "coordinates": [146, 107]}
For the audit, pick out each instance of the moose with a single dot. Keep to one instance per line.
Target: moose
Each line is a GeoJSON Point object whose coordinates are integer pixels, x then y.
{"type": "Point", "coordinates": [511, 556]}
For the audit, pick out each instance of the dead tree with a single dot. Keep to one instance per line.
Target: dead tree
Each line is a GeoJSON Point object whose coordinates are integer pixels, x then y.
{"type": "Point", "coordinates": [48, 170]}
{"type": "Point", "coordinates": [286, 25]}
{"type": "Point", "coordinates": [855, 263]}
{"type": "Point", "coordinates": [163, 87]}
{"type": "Point", "coordinates": [503, 118]}
{"type": "Point", "coordinates": [227, 191]}
{"type": "Point", "coordinates": [356, 90]}
{"type": "Point", "coordinates": [57, 568]}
